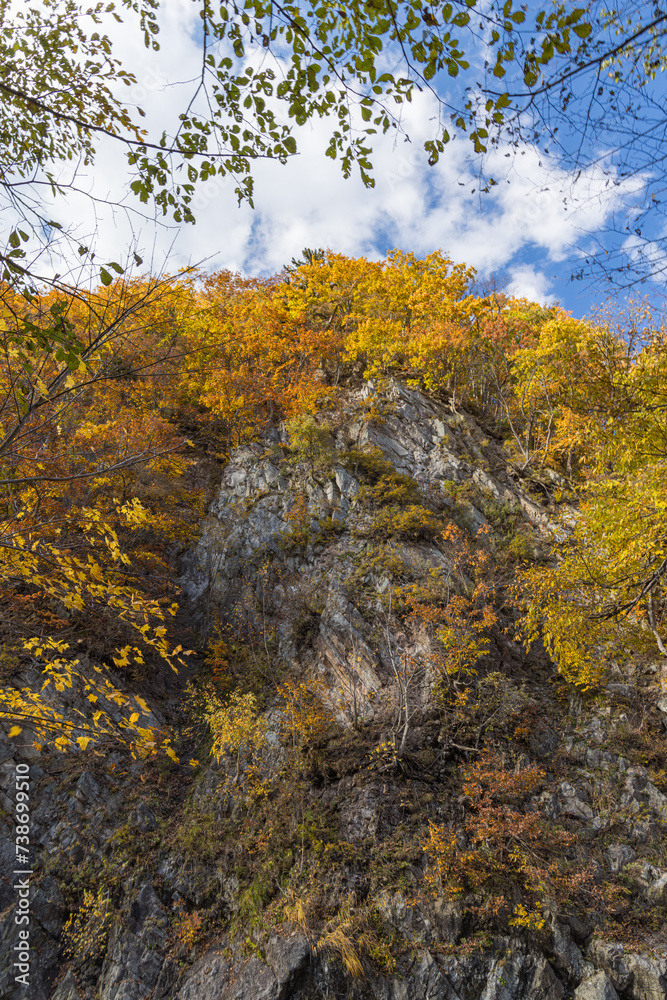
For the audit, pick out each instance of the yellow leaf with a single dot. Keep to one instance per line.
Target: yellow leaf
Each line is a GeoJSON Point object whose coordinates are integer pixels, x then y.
{"type": "Point", "coordinates": [96, 572]}
{"type": "Point", "coordinates": [83, 741]}
{"type": "Point", "coordinates": [14, 731]}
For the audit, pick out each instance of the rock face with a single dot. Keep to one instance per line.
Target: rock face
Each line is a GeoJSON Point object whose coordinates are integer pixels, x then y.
{"type": "Point", "coordinates": [276, 978]}
{"type": "Point", "coordinates": [135, 952]}
{"type": "Point", "coordinates": [251, 519]}
{"type": "Point", "coordinates": [173, 874]}
{"type": "Point", "coordinates": [597, 987]}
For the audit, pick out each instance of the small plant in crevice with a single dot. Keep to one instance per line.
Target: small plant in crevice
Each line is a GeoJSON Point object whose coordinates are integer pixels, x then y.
{"type": "Point", "coordinates": [508, 862]}
{"type": "Point", "coordinates": [412, 523]}
{"type": "Point", "coordinates": [86, 930]}
{"type": "Point", "coordinates": [371, 466]}
{"type": "Point", "coordinates": [390, 490]}
{"type": "Point", "coordinates": [306, 529]}
{"type": "Point", "coordinates": [311, 442]}
{"type": "Point", "coordinates": [305, 719]}
{"type": "Point", "coordinates": [188, 928]}
{"type": "Point", "coordinates": [239, 739]}
{"type": "Point", "coordinates": [216, 661]}
{"type": "Point", "coordinates": [462, 638]}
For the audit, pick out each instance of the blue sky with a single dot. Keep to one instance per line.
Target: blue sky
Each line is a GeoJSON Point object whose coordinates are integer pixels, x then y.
{"type": "Point", "coordinates": [531, 231]}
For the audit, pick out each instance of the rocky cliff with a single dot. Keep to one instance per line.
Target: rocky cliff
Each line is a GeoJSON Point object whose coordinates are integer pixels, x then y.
{"type": "Point", "coordinates": [433, 826]}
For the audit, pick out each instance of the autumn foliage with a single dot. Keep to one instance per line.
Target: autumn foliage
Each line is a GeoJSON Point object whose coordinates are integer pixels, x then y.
{"type": "Point", "coordinates": [509, 858]}
{"type": "Point", "coordinates": [107, 396]}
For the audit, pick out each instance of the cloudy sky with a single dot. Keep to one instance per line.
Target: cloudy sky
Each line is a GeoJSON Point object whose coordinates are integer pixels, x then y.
{"type": "Point", "coordinates": [529, 230]}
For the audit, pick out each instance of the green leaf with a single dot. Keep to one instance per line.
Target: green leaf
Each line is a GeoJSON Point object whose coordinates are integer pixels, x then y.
{"type": "Point", "coordinates": [105, 277]}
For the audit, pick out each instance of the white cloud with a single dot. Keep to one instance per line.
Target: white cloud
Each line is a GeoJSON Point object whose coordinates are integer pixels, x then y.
{"type": "Point", "coordinates": [528, 283]}
{"type": "Point", "coordinates": [308, 203]}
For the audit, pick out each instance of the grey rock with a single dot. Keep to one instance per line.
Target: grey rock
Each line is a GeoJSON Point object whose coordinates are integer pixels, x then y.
{"type": "Point", "coordinates": [44, 964]}
{"type": "Point", "coordinates": [447, 917]}
{"type": "Point", "coordinates": [657, 802]}
{"type": "Point", "coordinates": [253, 980]}
{"type": "Point", "coordinates": [522, 978]}
{"type": "Point", "coordinates": [624, 690]}
{"type": "Point", "coordinates": [343, 650]}
{"type": "Point", "coordinates": [7, 859]}
{"type": "Point", "coordinates": [213, 977]}
{"type": "Point", "coordinates": [147, 911]}
{"type": "Point", "coordinates": [144, 818]}
{"type": "Point", "coordinates": [581, 925]}
{"type": "Point", "coordinates": [516, 976]}
{"type": "Point", "coordinates": [346, 483]}
{"type": "Point", "coordinates": [499, 491]}
{"type": "Point", "coordinates": [640, 795]}
{"type": "Point", "coordinates": [573, 802]}
{"type": "Point", "coordinates": [207, 978]}
{"type": "Point", "coordinates": [648, 977]}
{"type": "Point", "coordinates": [135, 951]}
{"type": "Point", "coordinates": [67, 989]}
{"type": "Point", "coordinates": [422, 923]}
{"type": "Point", "coordinates": [48, 907]}
{"type": "Point", "coordinates": [567, 955]}
{"type": "Point", "coordinates": [595, 730]}
{"type": "Point", "coordinates": [545, 984]}
{"type": "Point", "coordinates": [649, 881]}
{"type": "Point", "coordinates": [618, 856]}
{"type": "Point", "coordinates": [287, 955]}
{"type": "Point", "coordinates": [359, 817]}
{"type": "Point", "coordinates": [420, 978]}
{"type": "Point", "coordinates": [657, 891]}
{"type": "Point", "coordinates": [87, 790]}
{"type": "Point", "coordinates": [598, 987]}
{"type": "Point", "coordinates": [612, 959]}
{"type": "Point", "coordinates": [466, 976]}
